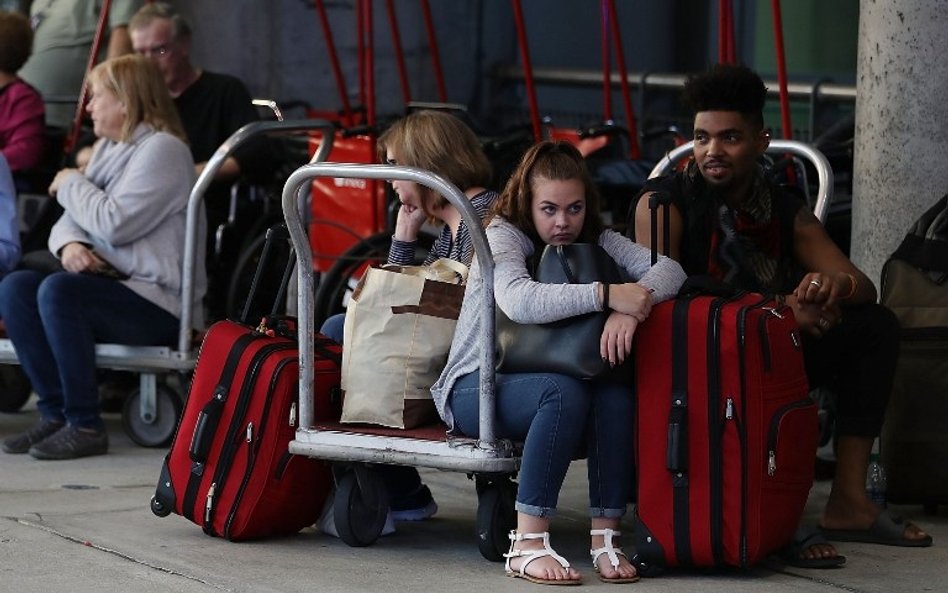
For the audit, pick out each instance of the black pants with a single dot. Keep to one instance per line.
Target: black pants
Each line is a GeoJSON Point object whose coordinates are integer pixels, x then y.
{"type": "Point", "coordinates": [856, 360]}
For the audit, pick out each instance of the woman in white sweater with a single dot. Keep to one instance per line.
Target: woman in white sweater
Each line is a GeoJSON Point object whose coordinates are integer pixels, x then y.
{"type": "Point", "coordinates": [120, 243]}
{"type": "Point", "coordinates": [550, 200]}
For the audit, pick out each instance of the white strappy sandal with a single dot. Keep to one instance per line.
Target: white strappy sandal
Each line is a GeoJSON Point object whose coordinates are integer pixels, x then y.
{"type": "Point", "coordinates": [532, 555]}
{"type": "Point", "coordinates": [613, 553]}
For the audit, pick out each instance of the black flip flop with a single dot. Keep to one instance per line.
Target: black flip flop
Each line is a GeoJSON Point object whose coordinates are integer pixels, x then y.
{"type": "Point", "coordinates": [886, 530]}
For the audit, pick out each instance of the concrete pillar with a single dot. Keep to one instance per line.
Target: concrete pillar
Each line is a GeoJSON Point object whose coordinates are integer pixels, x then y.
{"type": "Point", "coordinates": [901, 153]}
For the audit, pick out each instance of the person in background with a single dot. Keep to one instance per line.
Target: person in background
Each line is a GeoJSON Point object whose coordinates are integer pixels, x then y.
{"type": "Point", "coordinates": [728, 221]}
{"type": "Point", "coordinates": [212, 106]}
{"type": "Point", "coordinates": [9, 223]}
{"type": "Point", "coordinates": [550, 200]}
{"type": "Point", "coordinates": [63, 35]}
{"type": "Point", "coordinates": [22, 116]}
{"type": "Point", "coordinates": [441, 143]}
{"type": "Point", "coordinates": [120, 243]}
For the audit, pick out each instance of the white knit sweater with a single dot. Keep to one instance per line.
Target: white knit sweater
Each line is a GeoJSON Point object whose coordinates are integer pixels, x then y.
{"type": "Point", "coordinates": [527, 301]}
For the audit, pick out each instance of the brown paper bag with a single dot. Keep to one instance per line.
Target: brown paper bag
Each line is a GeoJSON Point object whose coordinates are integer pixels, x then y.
{"type": "Point", "coordinates": [398, 330]}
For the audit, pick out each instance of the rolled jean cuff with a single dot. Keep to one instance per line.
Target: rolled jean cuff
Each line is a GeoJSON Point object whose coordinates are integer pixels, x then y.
{"type": "Point", "coordinates": [599, 512]}
{"type": "Point", "coordinates": [534, 511]}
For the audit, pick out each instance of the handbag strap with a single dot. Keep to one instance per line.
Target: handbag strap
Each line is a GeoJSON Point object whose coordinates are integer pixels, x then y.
{"type": "Point", "coordinates": [567, 269]}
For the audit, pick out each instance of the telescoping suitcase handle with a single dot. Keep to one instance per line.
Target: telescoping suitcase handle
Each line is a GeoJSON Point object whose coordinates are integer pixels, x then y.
{"type": "Point", "coordinates": [210, 415]}
{"type": "Point", "coordinates": [277, 232]}
{"type": "Point", "coordinates": [655, 200]}
{"type": "Point", "coordinates": [676, 447]}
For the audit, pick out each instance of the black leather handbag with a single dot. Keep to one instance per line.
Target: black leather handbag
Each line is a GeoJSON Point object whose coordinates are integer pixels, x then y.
{"type": "Point", "coordinates": [568, 346]}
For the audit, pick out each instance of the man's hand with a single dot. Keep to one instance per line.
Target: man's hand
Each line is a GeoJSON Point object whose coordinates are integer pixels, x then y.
{"type": "Point", "coordinates": [814, 318]}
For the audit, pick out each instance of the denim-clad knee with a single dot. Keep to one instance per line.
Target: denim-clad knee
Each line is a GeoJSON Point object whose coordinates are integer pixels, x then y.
{"type": "Point", "coordinates": [547, 412]}
{"type": "Point", "coordinates": [55, 321]}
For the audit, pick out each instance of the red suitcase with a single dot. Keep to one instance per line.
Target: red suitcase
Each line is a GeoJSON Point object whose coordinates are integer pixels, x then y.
{"type": "Point", "coordinates": [229, 469]}
{"type": "Point", "coordinates": [726, 433]}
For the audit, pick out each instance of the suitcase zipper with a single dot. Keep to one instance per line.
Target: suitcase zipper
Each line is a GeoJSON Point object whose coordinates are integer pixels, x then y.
{"type": "Point", "coordinates": [254, 445]}
{"type": "Point", "coordinates": [231, 443]}
{"type": "Point", "coordinates": [773, 433]}
{"type": "Point", "coordinates": [226, 377]}
{"type": "Point", "coordinates": [765, 335]}
{"type": "Point", "coordinates": [717, 429]}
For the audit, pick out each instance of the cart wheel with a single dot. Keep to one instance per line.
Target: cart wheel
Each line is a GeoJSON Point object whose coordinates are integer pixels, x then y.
{"type": "Point", "coordinates": [495, 518]}
{"type": "Point", "coordinates": [158, 508]}
{"type": "Point", "coordinates": [360, 507]}
{"type": "Point", "coordinates": [157, 431]}
{"type": "Point", "coordinates": [15, 388]}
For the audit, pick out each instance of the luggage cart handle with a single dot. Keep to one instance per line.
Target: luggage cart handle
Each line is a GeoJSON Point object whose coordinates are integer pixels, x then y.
{"type": "Point", "coordinates": [196, 199]}
{"type": "Point", "coordinates": [300, 242]}
{"type": "Point", "coordinates": [824, 172]}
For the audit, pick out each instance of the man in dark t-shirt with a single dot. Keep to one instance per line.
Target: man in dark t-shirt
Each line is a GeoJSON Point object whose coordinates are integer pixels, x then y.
{"type": "Point", "coordinates": [212, 106]}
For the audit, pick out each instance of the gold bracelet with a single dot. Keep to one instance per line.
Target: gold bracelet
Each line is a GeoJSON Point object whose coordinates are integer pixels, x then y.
{"type": "Point", "coordinates": [854, 285]}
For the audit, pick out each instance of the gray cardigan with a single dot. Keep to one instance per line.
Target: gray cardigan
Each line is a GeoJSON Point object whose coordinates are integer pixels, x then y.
{"type": "Point", "coordinates": [130, 207]}
{"type": "Point", "coordinates": [527, 301]}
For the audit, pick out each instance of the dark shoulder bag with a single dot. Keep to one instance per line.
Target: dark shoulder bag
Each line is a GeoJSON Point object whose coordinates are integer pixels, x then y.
{"type": "Point", "coordinates": [569, 346]}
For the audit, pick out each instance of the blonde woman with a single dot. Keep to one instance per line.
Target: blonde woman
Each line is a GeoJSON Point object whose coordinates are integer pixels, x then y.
{"type": "Point", "coordinates": [120, 245]}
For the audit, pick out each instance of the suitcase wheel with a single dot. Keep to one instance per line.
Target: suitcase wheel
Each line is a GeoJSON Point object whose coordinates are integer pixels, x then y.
{"type": "Point", "coordinates": [152, 426]}
{"type": "Point", "coordinates": [360, 506]}
{"type": "Point", "coordinates": [159, 509]}
{"type": "Point", "coordinates": [646, 569]}
{"type": "Point", "coordinates": [495, 516]}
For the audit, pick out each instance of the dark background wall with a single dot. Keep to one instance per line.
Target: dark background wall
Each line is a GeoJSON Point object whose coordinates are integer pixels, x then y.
{"type": "Point", "coordinates": [279, 49]}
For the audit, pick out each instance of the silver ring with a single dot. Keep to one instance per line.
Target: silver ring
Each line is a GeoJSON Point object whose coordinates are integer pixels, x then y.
{"type": "Point", "coordinates": [823, 322]}
{"type": "Point", "coordinates": [816, 283]}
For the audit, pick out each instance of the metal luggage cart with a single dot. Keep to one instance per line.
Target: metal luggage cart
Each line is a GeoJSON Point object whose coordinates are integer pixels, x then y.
{"type": "Point", "coordinates": [360, 504]}
{"type": "Point", "coordinates": [801, 150]}
{"type": "Point", "coordinates": [150, 413]}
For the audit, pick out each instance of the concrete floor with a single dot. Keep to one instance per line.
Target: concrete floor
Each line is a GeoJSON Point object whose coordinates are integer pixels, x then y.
{"type": "Point", "coordinates": [85, 526]}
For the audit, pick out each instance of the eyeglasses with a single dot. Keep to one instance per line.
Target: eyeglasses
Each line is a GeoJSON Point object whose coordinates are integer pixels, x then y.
{"type": "Point", "coordinates": [154, 52]}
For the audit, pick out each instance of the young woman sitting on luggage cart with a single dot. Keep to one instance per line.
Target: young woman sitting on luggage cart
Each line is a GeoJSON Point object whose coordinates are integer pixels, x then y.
{"type": "Point", "coordinates": [119, 243]}
{"type": "Point", "coordinates": [550, 200]}
{"type": "Point", "coordinates": [441, 143]}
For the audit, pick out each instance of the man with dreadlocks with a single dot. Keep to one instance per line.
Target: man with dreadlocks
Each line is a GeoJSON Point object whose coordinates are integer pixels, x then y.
{"type": "Point", "coordinates": [728, 221]}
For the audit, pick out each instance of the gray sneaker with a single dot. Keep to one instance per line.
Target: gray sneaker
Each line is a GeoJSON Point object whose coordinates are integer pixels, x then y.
{"type": "Point", "coordinates": [21, 443]}
{"type": "Point", "coordinates": [70, 443]}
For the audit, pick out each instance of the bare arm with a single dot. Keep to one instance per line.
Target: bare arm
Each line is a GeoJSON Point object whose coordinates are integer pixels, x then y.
{"type": "Point", "coordinates": [229, 169]}
{"type": "Point", "coordinates": [831, 278]}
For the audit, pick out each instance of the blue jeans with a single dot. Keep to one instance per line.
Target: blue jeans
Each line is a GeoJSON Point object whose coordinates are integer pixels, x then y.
{"type": "Point", "coordinates": [332, 328]}
{"type": "Point", "coordinates": [55, 321]}
{"type": "Point", "coordinates": [556, 417]}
